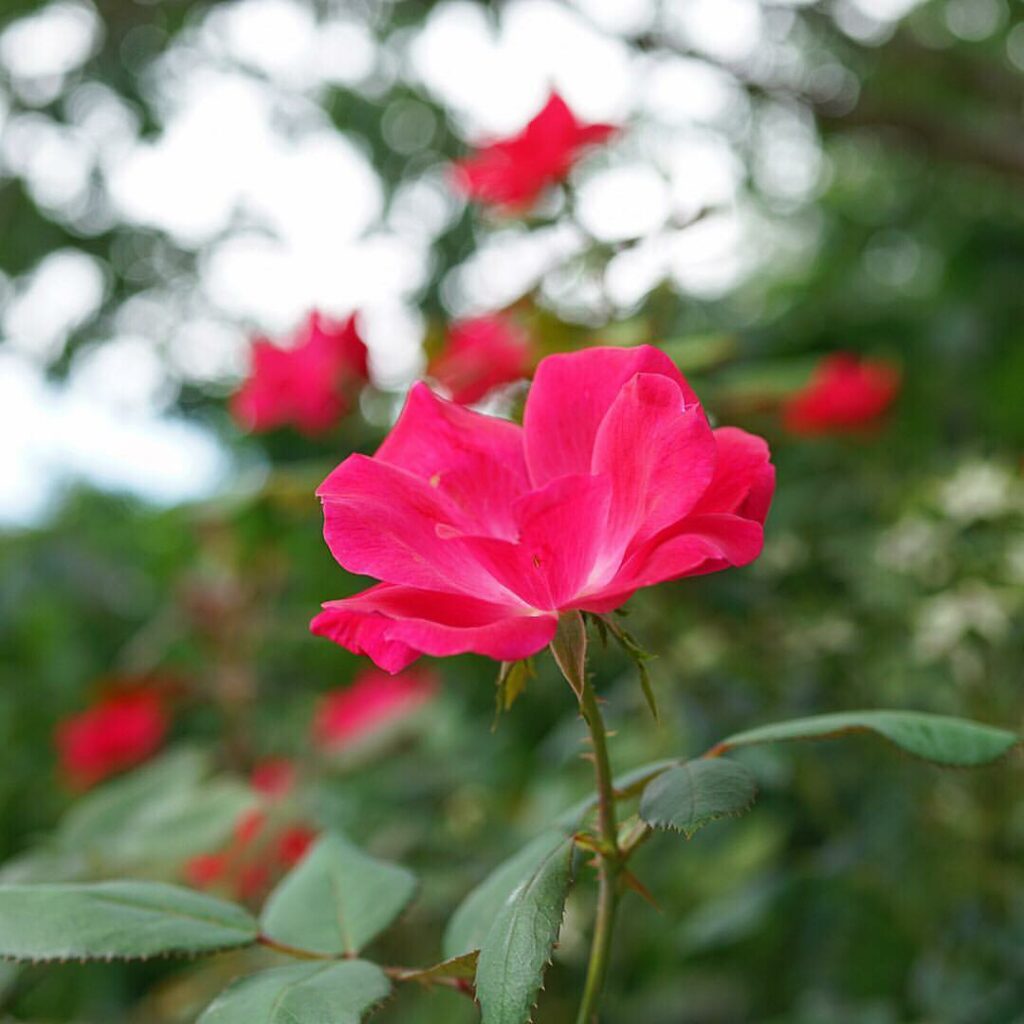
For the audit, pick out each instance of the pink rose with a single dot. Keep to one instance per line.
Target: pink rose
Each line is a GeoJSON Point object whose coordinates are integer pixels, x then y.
{"type": "Point", "coordinates": [511, 173]}
{"type": "Point", "coordinates": [374, 700]}
{"type": "Point", "coordinates": [845, 394]}
{"type": "Point", "coordinates": [307, 385]}
{"type": "Point", "coordinates": [119, 732]}
{"type": "Point", "coordinates": [481, 355]}
{"type": "Point", "coordinates": [482, 531]}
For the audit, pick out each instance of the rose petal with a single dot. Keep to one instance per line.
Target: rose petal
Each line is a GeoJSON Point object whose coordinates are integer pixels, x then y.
{"type": "Point", "coordinates": [699, 545]}
{"type": "Point", "coordinates": [381, 521]}
{"type": "Point", "coordinates": [744, 479]}
{"type": "Point", "coordinates": [571, 395]}
{"type": "Point", "coordinates": [659, 457]}
{"type": "Point", "coordinates": [561, 528]}
{"type": "Point", "coordinates": [475, 461]}
{"type": "Point", "coordinates": [395, 625]}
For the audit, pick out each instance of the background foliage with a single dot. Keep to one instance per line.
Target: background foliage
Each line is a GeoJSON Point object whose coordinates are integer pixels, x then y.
{"type": "Point", "coordinates": [866, 888]}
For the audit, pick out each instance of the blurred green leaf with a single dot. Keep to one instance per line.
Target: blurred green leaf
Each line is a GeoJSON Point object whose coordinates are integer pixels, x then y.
{"type": "Point", "coordinates": [700, 352]}
{"type": "Point", "coordinates": [518, 945]}
{"type": "Point", "coordinates": [108, 811]}
{"type": "Point", "coordinates": [180, 825]}
{"type": "Point", "coordinates": [939, 738]}
{"type": "Point", "coordinates": [331, 993]}
{"type": "Point", "coordinates": [337, 900]}
{"type": "Point", "coordinates": [694, 794]}
{"type": "Point", "coordinates": [116, 920]}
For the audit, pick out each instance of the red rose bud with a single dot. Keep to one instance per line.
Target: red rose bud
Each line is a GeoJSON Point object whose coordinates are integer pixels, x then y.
{"type": "Point", "coordinates": [293, 844]}
{"type": "Point", "coordinates": [205, 870]}
{"type": "Point", "coordinates": [249, 826]}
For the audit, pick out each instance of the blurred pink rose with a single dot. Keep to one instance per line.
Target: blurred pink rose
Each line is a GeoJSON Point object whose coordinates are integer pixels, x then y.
{"type": "Point", "coordinates": [374, 700]}
{"type": "Point", "coordinates": [511, 173]}
{"type": "Point", "coordinates": [845, 394]}
{"type": "Point", "coordinates": [483, 531]}
{"type": "Point", "coordinates": [117, 733]}
{"type": "Point", "coordinates": [481, 355]}
{"type": "Point", "coordinates": [307, 385]}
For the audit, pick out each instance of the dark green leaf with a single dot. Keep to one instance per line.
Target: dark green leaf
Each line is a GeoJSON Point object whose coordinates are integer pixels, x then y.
{"type": "Point", "coordinates": [518, 945]}
{"type": "Point", "coordinates": [124, 920]}
{"type": "Point", "coordinates": [337, 899]}
{"type": "Point", "coordinates": [472, 921]}
{"type": "Point", "coordinates": [938, 738]}
{"type": "Point", "coordinates": [694, 794]}
{"type": "Point", "coordinates": [315, 993]}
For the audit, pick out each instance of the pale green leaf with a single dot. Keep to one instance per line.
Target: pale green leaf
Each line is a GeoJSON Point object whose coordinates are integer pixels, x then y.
{"type": "Point", "coordinates": [116, 920]}
{"type": "Point", "coordinates": [108, 811]}
{"type": "Point", "coordinates": [938, 738]}
{"type": "Point", "coordinates": [179, 825]}
{"type": "Point", "coordinates": [310, 993]}
{"type": "Point", "coordinates": [694, 794]}
{"type": "Point", "coordinates": [337, 900]}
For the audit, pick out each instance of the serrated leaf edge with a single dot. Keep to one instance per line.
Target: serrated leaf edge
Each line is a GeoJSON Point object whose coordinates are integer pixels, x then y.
{"type": "Point", "coordinates": [531, 880]}
{"type": "Point", "coordinates": [689, 833]}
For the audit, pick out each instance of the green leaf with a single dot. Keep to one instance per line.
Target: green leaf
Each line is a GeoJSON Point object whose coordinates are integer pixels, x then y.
{"type": "Point", "coordinates": [180, 825]}
{"type": "Point", "coordinates": [337, 899]}
{"type": "Point", "coordinates": [316, 993]}
{"type": "Point", "coordinates": [519, 942]}
{"type": "Point", "coordinates": [462, 968]}
{"type": "Point", "coordinates": [694, 794]}
{"type": "Point", "coordinates": [569, 647]}
{"type": "Point", "coordinates": [474, 917]}
{"type": "Point", "coordinates": [938, 738]}
{"type": "Point", "coordinates": [116, 920]}
{"type": "Point", "coordinates": [108, 811]}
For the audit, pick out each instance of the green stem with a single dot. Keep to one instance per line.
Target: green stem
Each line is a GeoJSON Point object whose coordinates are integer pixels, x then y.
{"type": "Point", "coordinates": [609, 859]}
